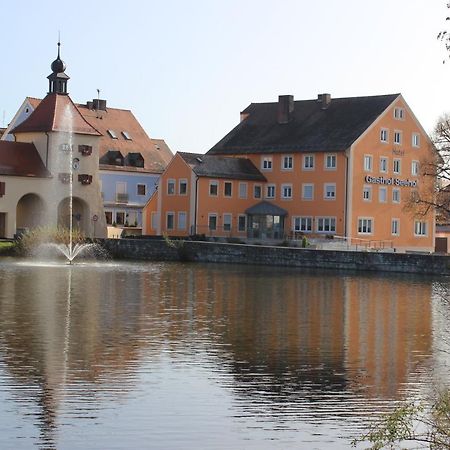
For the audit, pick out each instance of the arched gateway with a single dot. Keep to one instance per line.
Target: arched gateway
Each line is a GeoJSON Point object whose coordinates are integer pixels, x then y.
{"type": "Point", "coordinates": [30, 212]}
{"type": "Point", "coordinates": [80, 214]}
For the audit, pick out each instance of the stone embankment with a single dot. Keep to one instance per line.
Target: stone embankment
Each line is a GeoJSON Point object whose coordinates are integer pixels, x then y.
{"type": "Point", "coordinates": [215, 252]}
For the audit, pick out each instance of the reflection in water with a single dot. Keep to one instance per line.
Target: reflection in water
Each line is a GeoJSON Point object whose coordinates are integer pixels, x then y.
{"type": "Point", "coordinates": [174, 356]}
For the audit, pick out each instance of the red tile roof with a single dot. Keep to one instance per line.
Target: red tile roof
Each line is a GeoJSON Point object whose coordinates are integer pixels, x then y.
{"type": "Point", "coordinates": [52, 114]}
{"type": "Point", "coordinates": [21, 159]}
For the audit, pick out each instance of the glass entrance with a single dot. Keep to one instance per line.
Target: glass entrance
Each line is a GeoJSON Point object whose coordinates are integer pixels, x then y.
{"type": "Point", "coordinates": [266, 227]}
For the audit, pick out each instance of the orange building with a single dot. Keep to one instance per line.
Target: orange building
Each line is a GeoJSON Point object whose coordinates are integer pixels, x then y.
{"type": "Point", "coordinates": [345, 167]}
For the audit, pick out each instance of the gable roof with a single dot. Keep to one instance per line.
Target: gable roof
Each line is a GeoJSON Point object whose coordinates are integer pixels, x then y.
{"type": "Point", "coordinates": [222, 167]}
{"type": "Point", "coordinates": [155, 152]}
{"type": "Point", "coordinates": [21, 159]}
{"type": "Point", "coordinates": [56, 113]}
{"type": "Point", "coordinates": [266, 208]}
{"type": "Point", "coordinates": [310, 128]}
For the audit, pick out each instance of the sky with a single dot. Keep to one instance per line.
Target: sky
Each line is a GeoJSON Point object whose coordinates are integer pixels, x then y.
{"type": "Point", "coordinates": [187, 68]}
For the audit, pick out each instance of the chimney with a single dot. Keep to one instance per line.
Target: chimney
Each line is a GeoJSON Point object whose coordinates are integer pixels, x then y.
{"type": "Point", "coordinates": [98, 104]}
{"type": "Point", "coordinates": [285, 108]}
{"type": "Point", "coordinates": [324, 100]}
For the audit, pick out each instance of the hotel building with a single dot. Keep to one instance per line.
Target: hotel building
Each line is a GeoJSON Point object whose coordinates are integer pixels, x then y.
{"type": "Point", "coordinates": [344, 167]}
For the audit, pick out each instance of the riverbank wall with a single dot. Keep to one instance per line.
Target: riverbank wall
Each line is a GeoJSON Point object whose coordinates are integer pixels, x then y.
{"type": "Point", "coordinates": [217, 252]}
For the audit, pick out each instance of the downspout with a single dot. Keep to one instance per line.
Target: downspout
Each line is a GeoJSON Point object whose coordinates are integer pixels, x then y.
{"type": "Point", "coordinates": [346, 194]}
{"type": "Point", "coordinates": [196, 205]}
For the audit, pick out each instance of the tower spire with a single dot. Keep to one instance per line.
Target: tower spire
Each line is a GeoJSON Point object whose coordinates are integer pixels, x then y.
{"type": "Point", "coordinates": [58, 79]}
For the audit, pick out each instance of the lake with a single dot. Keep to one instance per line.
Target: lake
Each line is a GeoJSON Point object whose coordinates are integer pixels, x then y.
{"type": "Point", "coordinates": [120, 355]}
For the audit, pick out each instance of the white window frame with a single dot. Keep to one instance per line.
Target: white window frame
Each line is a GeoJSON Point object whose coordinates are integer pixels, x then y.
{"type": "Point", "coordinates": [240, 230]}
{"type": "Point", "coordinates": [420, 228]}
{"type": "Point", "coordinates": [395, 227]}
{"type": "Point", "coordinates": [399, 113]}
{"type": "Point", "coordinates": [243, 190]}
{"type": "Point", "coordinates": [270, 186]}
{"type": "Point", "coordinates": [415, 140]}
{"type": "Point", "coordinates": [213, 183]}
{"type": "Point", "coordinates": [180, 224]}
{"type": "Point", "coordinates": [328, 224]}
{"type": "Point", "coordinates": [329, 191]}
{"type": "Point", "coordinates": [397, 166]}
{"type": "Point", "coordinates": [286, 191]}
{"type": "Point", "coordinates": [261, 193]}
{"type": "Point", "coordinates": [415, 168]}
{"type": "Point", "coordinates": [154, 220]}
{"type": "Point", "coordinates": [367, 193]}
{"type": "Point", "coordinates": [368, 163]}
{"type": "Point", "coordinates": [180, 182]}
{"type": "Point", "coordinates": [304, 186]}
{"type": "Point", "coordinates": [211, 215]}
{"type": "Point", "coordinates": [308, 162]}
{"type": "Point", "coordinates": [330, 161]}
{"type": "Point", "coordinates": [365, 225]}
{"type": "Point", "coordinates": [396, 196]}
{"type": "Point", "coordinates": [172, 214]}
{"type": "Point", "coordinates": [225, 184]}
{"type": "Point", "coordinates": [398, 138]}
{"type": "Point", "coordinates": [171, 183]}
{"type": "Point", "coordinates": [384, 135]}
{"type": "Point", "coordinates": [384, 164]}
{"type": "Point", "coordinates": [382, 198]}
{"type": "Point", "coordinates": [266, 163]}
{"type": "Point", "coordinates": [287, 162]}
{"type": "Point", "coordinates": [303, 224]}
{"type": "Point", "coordinates": [227, 220]}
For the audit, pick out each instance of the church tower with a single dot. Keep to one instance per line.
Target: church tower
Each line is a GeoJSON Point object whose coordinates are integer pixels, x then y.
{"type": "Point", "coordinates": [57, 80]}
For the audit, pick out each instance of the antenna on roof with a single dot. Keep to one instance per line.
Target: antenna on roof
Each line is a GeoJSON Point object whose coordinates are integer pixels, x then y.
{"type": "Point", "coordinates": [97, 106]}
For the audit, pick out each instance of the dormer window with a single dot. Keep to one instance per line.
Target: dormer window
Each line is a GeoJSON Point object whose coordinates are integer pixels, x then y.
{"type": "Point", "coordinates": [112, 134]}
{"type": "Point", "coordinates": [126, 135]}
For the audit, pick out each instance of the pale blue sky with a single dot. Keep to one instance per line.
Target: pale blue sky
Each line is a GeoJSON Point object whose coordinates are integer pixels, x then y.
{"type": "Point", "coordinates": [187, 68]}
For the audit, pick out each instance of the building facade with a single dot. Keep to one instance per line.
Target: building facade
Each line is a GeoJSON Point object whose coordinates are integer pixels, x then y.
{"type": "Point", "coordinates": [346, 168]}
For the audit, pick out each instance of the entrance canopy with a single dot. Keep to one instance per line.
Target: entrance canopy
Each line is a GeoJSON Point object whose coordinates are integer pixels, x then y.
{"type": "Point", "coordinates": [265, 221]}
{"type": "Point", "coordinates": [266, 209]}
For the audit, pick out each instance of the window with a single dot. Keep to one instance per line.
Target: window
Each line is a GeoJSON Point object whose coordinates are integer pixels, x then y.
{"type": "Point", "coordinates": [308, 162]}
{"type": "Point", "coordinates": [330, 162]}
{"type": "Point", "coordinates": [383, 164]}
{"type": "Point", "coordinates": [154, 220]}
{"type": "Point", "coordinates": [171, 187]}
{"type": "Point", "coordinates": [396, 166]}
{"type": "Point", "coordinates": [242, 223]}
{"type": "Point", "coordinates": [270, 191]}
{"type": "Point", "coordinates": [307, 191]}
{"type": "Point", "coordinates": [367, 193]}
{"type": "Point", "coordinates": [170, 221]}
{"type": "Point", "coordinates": [415, 168]}
{"type": "Point", "coordinates": [266, 163]}
{"type": "Point", "coordinates": [182, 187]}
{"type": "Point", "coordinates": [242, 190]}
{"type": "Point", "coordinates": [213, 188]}
{"type": "Point", "coordinates": [384, 135]}
{"type": "Point", "coordinates": [126, 135]}
{"type": "Point", "coordinates": [415, 140]}
{"type": "Point", "coordinates": [181, 220]}
{"type": "Point", "coordinates": [108, 217]}
{"type": "Point", "coordinates": [227, 189]}
{"type": "Point", "coordinates": [399, 113]}
{"type": "Point", "coordinates": [420, 228]}
{"type": "Point", "coordinates": [227, 222]}
{"type": "Point", "coordinates": [395, 227]}
{"type": "Point", "coordinates": [382, 194]}
{"type": "Point", "coordinates": [329, 191]}
{"type": "Point", "coordinates": [120, 217]}
{"type": "Point", "coordinates": [303, 224]}
{"type": "Point", "coordinates": [326, 224]}
{"type": "Point", "coordinates": [368, 163]}
{"type": "Point", "coordinates": [112, 134]}
{"type": "Point", "coordinates": [212, 222]}
{"type": "Point", "coordinates": [287, 162]}
{"type": "Point", "coordinates": [397, 137]}
{"type": "Point", "coordinates": [257, 191]}
{"type": "Point", "coordinates": [365, 225]}
{"type": "Point", "coordinates": [286, 191]}
{"type": "Point", "coordinates": [121, 192]}
{"type": "Point", "coordinates": [141, 189]}
{"type": "Point", "coordinates": [395, 195]}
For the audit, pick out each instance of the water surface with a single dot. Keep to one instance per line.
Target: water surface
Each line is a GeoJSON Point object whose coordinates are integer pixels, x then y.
{"type": "Point", "coordinates": [187, 356]}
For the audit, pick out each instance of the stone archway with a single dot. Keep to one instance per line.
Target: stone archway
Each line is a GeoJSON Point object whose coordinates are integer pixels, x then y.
{"type": "Point", "coordinates": [80, 214]}
{"type": "Point", "coordinates": [30, 213]}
